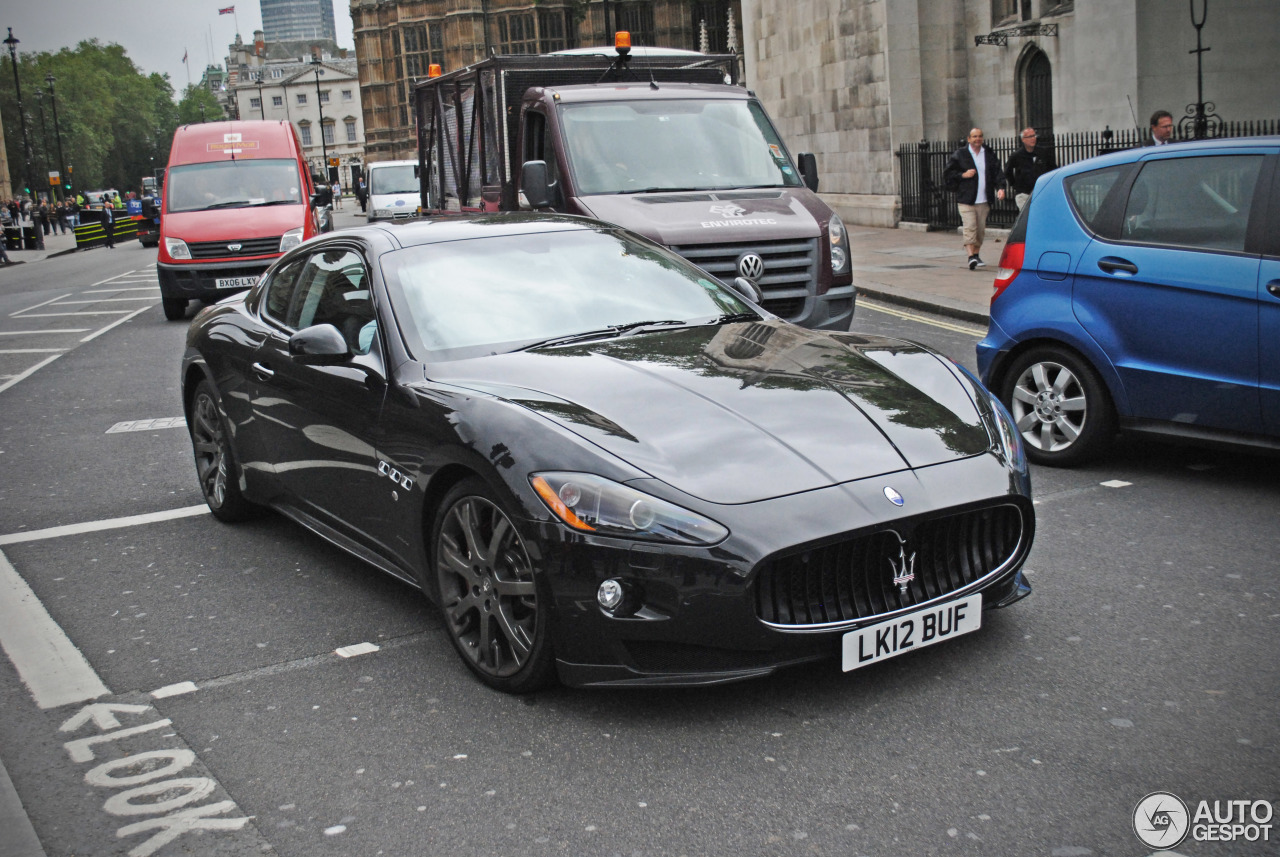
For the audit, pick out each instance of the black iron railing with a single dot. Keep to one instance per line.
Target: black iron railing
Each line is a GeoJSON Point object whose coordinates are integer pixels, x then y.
{"type": "Point", "coordinates": [926, 200]}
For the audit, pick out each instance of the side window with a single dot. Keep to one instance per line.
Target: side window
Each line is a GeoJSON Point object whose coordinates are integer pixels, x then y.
{"type": "Point", "coordinates": [334, 289]}
{"type": "Point", "coordinates": [280, 291]}
{"type": "Point", "coordinates": [1088, 191]}
{"type": "Point", "coordinates": [1200, 203]}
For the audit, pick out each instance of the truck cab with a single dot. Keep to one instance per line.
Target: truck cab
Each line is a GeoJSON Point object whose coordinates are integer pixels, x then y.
{"type": "Point", "coordinates": [661, 145]}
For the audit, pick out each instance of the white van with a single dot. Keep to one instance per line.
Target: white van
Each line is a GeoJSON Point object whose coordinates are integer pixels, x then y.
{"type": "Point", "coordinates": [393, 190]}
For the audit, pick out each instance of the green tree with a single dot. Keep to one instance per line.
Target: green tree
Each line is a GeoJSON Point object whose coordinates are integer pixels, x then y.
{"type": "Point", "coordinates": [198, 105]}
{"type": "Point", "coordinates": [115, 122]}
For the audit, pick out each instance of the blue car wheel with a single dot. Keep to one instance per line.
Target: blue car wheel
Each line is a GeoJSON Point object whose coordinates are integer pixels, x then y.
{"type": "Point", "coordinates": [1060, 406]}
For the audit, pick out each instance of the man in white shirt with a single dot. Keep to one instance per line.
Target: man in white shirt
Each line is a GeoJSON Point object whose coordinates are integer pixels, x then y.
{"type": "Point", "coordinates": [973, 172]}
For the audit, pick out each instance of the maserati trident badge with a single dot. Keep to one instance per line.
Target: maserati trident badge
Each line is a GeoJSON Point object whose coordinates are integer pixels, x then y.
{"type": "Point", "coordinates": [904, 567]}
{"type": "Point", "coordinates": [894, 497]}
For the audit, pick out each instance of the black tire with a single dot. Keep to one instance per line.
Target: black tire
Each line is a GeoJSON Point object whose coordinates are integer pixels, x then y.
{"type": "Point", "coordinates": [175, 309]}
{"type": "Point", "coordinates": [494, 605]}
{"type": "Point", "coordinates": [216, 466]}
{"type": "Point", "coordinates": [1060, 405]}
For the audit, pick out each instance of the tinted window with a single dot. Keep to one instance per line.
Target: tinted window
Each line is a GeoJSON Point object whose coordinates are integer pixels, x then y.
{"type": "Point", "coordinates": [241, 183]}
{"type": "Point", "coordinates": [280, 290]}
{"type": "Point", "coordinates": [1193, 202]}
{"type": "Point", "coordinates": [1087, 191]}
{"type": "Point", "coordinates": [333, 289]}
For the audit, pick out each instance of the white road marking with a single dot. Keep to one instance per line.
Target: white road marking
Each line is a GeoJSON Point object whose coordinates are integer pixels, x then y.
{"type": "Point", "coordinates": [357, 649]}
{"type": "Point", "coordinates": [146, 425]}
{"type": "Point", "coordinates": [116, 277]}
{"type": "Point", "coordinates": [174, 690]}
{"type": "Point", "coordinates": [1115, 483]}
{"type": "Point", "coordinates": [98, 526]}
{"type": "Point", "coordinates": [41, 332]}
{"type": "Point", "coordinates": [49, 664]}
{"type": "Point", "coordinates": [910, 316]}
{"type": "Point", "coordinates": [32, 350]}
{"type": "Point", "coordinates": [108, 300]}
{"type": "Point", "coordinates": [37, 306]}
{"type": "Point", "coordinates": [16, 378]}
{"type": "Point", "coordinates": [126, 289]}
{"type": "Point", "coordinates": [115, 324]}
{"type": "Point", "coordinates": [77, 312]}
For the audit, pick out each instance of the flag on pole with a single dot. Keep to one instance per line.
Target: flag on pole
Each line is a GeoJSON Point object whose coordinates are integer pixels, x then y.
{"type": "Point", "coordinates": [184, 56]}
{"type": "Point", "coordinates": [230, 10]}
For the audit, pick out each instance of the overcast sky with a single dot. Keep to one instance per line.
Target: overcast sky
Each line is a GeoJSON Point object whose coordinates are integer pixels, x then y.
{"type": "Point", "coordinates": [154, 33]}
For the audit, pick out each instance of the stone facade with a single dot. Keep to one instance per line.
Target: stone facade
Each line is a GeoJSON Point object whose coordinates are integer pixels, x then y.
{"type": "Point", "coordinates": [852, 80]}
{"type": "Point", "coordinates": [398, 40]}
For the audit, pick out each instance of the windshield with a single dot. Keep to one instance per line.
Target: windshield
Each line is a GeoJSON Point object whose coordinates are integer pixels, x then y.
{"type": "Point", "coordinates": [233, 184]}
{"type": "Point", "coordinates": [464, 298]}
{"type": "Point", "coordinates": [631, 146]}
{"type": "Point", "coordinates": [383, 180]}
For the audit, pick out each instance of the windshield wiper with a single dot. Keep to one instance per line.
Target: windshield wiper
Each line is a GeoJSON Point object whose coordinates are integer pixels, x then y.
{"type": "Point", "coordinates": [663, 190]}
{"type": "Point", "coordinates": [233, 203]}
{"type": "Point", "coordinates": [731, 317]}
{"type": "Point", "coordinates": [611, 332]}
{"type": "Point", "coordinates": [274, 202]}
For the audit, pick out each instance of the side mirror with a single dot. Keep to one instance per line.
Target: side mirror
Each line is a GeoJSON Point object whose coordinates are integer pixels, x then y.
{"type": "Point", "coordinates": [535, 184]}
{"type": "Point", "coordinates": [748, 289]}
{"type": "Point", "coordinates": [808, 164]}
{"type": "Point", "coordinates": [319, 345]}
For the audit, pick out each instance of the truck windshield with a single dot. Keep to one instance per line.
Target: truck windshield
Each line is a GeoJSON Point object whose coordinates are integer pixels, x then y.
{"type": "Point", "coordinates": [681, 144]}
{"type": "Point", "coordinates": [383, 180]}
{"type": "Point", "coordinates": [233, 184]}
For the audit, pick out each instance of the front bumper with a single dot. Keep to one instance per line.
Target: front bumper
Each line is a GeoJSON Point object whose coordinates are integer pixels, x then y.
{"type": "Point", "coordinates": [698, 617]}
{"type": "Point", "coordinates": [200, 280]}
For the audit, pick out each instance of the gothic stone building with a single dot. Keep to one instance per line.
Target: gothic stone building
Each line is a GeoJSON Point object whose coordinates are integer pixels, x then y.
{"type": "Point", "coordinates": [852, 80]}
{"type": "Point", "coordinates": [398, 40]}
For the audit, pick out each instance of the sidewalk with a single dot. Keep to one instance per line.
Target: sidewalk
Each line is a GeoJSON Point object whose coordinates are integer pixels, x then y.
{"type": "Point", "coordinates": [925, 270]}
{"type": "Point", "coordinates": [54, 245]}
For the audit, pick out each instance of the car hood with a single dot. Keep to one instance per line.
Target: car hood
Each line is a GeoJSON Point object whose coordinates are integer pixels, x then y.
{"type": "Point", "coordinates": [709, 217]}
{"type": "Point", "coordinates": [743, 412]}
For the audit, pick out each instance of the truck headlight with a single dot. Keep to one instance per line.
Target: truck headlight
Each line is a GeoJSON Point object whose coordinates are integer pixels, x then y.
{"type": "Point", "coordinates": [840, 263]}
{"type": "Point", "coordinates": [291, 239]}
{"type": "Point", "coordinates": [177, 248]}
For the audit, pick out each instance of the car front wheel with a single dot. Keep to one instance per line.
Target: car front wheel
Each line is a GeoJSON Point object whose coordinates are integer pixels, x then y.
{"type": "Point", "coordinates": [215, 462]}
{"type": "Point", "coordinates": [493, 604]}
{"type": "Point", "coordinates": [1060, 406]}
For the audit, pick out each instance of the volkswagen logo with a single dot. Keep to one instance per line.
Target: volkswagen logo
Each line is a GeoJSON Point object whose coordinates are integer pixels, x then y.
{"type": "Point", "coordinates": [234, 247]}
{"type": "Point", "coordinates": [893, 496]}
{"type": "Point", "coordinates": [751, 266]}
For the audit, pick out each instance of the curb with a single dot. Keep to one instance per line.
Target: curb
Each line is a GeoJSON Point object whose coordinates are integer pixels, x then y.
{"type": "Point", "coordinates": [958, 313]}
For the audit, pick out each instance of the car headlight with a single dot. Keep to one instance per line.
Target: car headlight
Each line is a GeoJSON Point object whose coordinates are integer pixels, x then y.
{"type": "Point", "coordinates": [177, 248]}
{"type": "Point", "coordinates": [840, 262]}
{"type": "Point", "coordinates": [593, 504]}
{"type": "Point", "coordinates": [291, 239]}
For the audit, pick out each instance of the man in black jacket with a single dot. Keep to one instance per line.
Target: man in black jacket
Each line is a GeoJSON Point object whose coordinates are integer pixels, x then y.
{"type": "Point", "coordinates": [973, 171]}
{"type": "Point", "coordinates": [1026, 165]}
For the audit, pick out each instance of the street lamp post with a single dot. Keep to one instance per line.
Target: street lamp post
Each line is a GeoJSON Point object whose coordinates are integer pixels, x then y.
{"type": "Point", "coordinates": [44, 131]}
{"type": "Point", "coordinates": [53, 100]}
{"type": "Point", "coordinates": [324, 148]}
{"type": "Point", "coordinates": [26, 142]}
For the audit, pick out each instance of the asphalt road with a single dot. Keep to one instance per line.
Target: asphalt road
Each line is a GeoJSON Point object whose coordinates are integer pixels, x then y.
{"type": "Point", "coordinates": [1144, 660]}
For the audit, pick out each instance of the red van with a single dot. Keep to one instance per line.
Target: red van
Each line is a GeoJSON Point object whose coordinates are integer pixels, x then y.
{"type": "Point", "coordinates": [236, 196]}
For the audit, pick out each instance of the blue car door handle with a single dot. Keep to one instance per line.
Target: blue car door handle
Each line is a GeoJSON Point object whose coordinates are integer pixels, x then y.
{"type": "Point", "coordinates": [1111, 264]}
{"type": "Point", "coordinates": [1274, 288]}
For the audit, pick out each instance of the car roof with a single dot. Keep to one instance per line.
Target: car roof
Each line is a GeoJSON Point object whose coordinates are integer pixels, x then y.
{"type": "Point", "coordinates": [1128, 156]}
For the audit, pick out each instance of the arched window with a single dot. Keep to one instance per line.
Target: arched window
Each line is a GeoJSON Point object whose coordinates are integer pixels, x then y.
{"type": "Point", "coordinates": [1035, 91]}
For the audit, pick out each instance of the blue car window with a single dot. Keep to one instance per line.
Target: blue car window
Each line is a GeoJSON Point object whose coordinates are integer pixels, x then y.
{"type": "Point", "coordinates": [1200, 203]}
{"type": "Point", "coordinates": [1088, 191]}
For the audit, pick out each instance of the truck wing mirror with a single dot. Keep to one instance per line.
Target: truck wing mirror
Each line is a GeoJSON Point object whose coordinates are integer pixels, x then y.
{"type": "Point", "coordinates": [535, 184]}
{"type": "Point", "coordinates": [809, 170]}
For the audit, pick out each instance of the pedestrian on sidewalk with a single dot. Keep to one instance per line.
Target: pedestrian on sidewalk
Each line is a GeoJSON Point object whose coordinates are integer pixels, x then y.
{"type": "Point", "coordinates": [1161, 128]}
{"type": "Point", "coordinates": [1026, 165]}
{"type": "Point", "coordinates": [337, 196]}
{"type": "Point", "coordinates": [973, 171]}
{"type": "Point", "coordinates": [108, 224]}
{"type": "Point", "coordinates": [362, 194]}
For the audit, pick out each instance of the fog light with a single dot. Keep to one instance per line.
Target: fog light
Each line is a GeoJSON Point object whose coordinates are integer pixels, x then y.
{"type": "Point", "coordinates": [610, 595]}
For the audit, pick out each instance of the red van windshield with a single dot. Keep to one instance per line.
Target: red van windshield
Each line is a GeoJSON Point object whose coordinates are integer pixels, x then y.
{"type": "Point", "coordinates": [233, 184]}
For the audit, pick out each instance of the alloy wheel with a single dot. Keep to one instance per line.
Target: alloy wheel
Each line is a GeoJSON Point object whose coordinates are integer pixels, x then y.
{"type": "Point", "coordinates": [210, 443]}
{"type": "Point", "coordinates": [1050, 406]}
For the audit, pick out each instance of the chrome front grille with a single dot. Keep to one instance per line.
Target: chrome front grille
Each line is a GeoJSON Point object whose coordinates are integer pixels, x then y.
{"type": "Point", "coordinates": [790, 268]}
{"type": "Point", "coordinates": [244, 247]}
{"type": "Point", "coordinates": [854, 579]}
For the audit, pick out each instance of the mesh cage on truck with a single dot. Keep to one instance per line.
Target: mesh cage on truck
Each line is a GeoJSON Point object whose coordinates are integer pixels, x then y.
{"type": "Point", "coordinates": [469, 119]}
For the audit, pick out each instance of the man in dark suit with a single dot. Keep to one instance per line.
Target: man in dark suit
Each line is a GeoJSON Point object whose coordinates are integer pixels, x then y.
{"type": "Point", "coordinates": [108, 223]}
{"type": "Point", "coordinates": [973, 171]}
{"type": "Point", "coordinates": [1161, 128]}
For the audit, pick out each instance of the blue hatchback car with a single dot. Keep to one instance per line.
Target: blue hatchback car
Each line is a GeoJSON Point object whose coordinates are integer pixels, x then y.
{"type": "Point", "coordinates": [1140, 291]}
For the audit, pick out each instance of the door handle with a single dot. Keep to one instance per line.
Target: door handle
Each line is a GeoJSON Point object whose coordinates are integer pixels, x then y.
{"type": "Point", "coordinates": [263, 371]}
{"type": "Point", "coordinates": [1274, 288]}
{"type": "Point", "coordinates": [1111, 264]}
